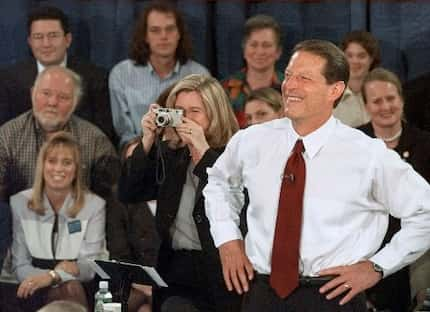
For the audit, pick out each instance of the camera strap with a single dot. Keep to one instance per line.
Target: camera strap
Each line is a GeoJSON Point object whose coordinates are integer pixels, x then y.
{"type": "Point", "coordinates": [160, 166]}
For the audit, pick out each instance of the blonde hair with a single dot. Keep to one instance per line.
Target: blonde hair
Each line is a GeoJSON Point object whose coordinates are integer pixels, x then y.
{"type": "Point", "coordinates": [222, 122]}
{"type": "Point", "coordinates": [59, 140]}
{"type": "Point", "coordinates": [267, 95]}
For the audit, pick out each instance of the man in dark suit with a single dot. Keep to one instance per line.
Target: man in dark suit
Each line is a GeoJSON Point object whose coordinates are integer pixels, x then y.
{"type": "Point", "coordinates": [49, 37]}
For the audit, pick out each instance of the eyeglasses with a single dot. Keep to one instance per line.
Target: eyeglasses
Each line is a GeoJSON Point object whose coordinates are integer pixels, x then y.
{"type": "Point", "coordinates": [51, 36]}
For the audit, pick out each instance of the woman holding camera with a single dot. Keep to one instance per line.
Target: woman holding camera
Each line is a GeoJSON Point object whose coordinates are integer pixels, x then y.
{"type": "Point", "coordinates": [187, 260]}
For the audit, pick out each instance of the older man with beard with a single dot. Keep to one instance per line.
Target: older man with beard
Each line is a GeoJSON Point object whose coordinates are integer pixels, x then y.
{"type": "Point", "coordinates": [55, 95]}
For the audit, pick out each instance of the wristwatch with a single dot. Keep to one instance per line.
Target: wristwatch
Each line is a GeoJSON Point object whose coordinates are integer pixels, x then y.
{"type": "Point", "coordinates": [377, 268]}
{"type": "Point", "coordinates": [55, 277]}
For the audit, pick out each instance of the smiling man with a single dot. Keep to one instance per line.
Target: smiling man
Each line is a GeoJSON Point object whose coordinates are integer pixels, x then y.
{"type": "Point", "coordinates": [49, 38]}
{"type": "Point", "coordinates": [320, 194]}
{"type": "Point", "coordinates": [55, 95]}
{"type": "Point", "coordinates": [160, 53]}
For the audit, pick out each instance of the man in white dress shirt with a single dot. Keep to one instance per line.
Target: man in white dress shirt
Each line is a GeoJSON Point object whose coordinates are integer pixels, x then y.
{"type": "Point", "coordinates": [352, 184]}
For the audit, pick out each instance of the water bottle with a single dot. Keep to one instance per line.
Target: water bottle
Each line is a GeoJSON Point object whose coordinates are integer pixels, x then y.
{"type": "Point", "coordinates": [102, 296]}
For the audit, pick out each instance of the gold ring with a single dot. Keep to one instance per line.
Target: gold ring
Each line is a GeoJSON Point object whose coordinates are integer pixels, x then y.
{"type": "Point", "coordinates": [346, 285]}
{"type": "Point", "coordinates": [190, 131]}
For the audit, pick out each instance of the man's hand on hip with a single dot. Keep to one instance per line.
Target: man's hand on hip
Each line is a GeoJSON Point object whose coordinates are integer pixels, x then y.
{"type": "Point", "coordinates": [350, 280]}
{"type": "Point", "coordinates": [237, 269]}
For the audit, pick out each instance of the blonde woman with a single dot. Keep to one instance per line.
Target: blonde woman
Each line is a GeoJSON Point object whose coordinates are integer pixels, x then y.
{"type": "Point", "coordinates": [58, 226]}
{"type": "Point", "coordinates": [187, 259]}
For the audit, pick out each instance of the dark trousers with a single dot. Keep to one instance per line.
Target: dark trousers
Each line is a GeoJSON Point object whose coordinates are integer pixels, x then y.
{"type": "Point", "coordinates": [190, 287]}
{"type": "Point", "coordinates": [261, 297]}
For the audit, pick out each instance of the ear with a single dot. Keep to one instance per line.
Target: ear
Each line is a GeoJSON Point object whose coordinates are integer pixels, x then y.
{"type": "Point", "coordinates": [68, 38]}
{"type": "Point", "coordinates": [278, 53]}
{"type": "Point", "coordinates": [337, 90]}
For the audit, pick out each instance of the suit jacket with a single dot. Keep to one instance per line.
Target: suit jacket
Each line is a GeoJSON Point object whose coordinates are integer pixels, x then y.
{"type": "Point", "coordinates": [16, 82]}
{"type": "Point", "coordinates": [138, 183]}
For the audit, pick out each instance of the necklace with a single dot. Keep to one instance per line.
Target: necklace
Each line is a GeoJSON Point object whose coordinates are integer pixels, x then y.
{"type": "Point", "coordinates": [393, 138]}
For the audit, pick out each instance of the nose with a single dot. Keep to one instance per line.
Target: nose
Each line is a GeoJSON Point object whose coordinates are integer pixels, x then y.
{"type": "Point", "coordinates": [53, 100]}
{"type": "Point", "coordinates": [385, 105]}
{"type": "Point", "coordinates": [46, 41]}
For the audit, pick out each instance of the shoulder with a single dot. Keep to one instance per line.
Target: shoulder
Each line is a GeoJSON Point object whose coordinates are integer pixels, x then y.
{"type": "Point", "coordinates": [19, 201]}
{"type": "Point", "coordinates": [261, 135]}
{"type": "Point", "coordinates": [125, 66]}
{"type": "Point", "coordinates": [85, 69]}
{"type": "Point", "coordinates": [94, 201]}
{"type": "Point", "coordinates": [83, 126]}
{"type": "Point", "coordinates": [195, 67]}
{"type": "Point", "coordinates": [356, 142]}
{"type": "Point", "coordinates": [10, 129]}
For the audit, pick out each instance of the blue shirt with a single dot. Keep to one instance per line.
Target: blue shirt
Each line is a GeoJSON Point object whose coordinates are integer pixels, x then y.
{"type": "Point", "coordinates": [134, 87]}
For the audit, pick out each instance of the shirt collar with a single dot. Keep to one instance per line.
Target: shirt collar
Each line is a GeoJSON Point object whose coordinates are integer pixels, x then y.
{"type": "Point", "coordinates": [68, 202]}
{"type": "Point", "coordinates": [315, 140]}
{"type": "Point", "coordinates": [41, 67]}
{"type": "Point", "coordinates": [174, 71]}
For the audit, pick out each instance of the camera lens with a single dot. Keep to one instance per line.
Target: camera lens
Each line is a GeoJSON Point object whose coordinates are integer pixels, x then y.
{"type": "Point", "coordinates": [162, 120]}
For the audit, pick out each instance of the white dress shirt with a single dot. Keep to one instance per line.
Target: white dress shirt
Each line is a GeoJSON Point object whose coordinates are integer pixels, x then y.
{"type": "Point", "coordinates": [32, 235]}
{"type": "Point", "coordinates": [352, 183]}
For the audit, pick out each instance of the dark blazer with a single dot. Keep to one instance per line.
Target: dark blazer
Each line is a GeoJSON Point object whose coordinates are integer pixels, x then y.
{"type": "Point", "coordinates": [138, 183]}
{"type": "Point", "coordinates": [16, 82]}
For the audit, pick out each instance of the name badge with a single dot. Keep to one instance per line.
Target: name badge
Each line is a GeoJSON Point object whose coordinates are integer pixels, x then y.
{"type": "Point", "coordinates": [74, 226]}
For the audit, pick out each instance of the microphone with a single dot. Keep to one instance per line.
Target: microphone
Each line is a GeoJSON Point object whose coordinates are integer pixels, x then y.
{"type": "Point", "coordinates": [290, 177]}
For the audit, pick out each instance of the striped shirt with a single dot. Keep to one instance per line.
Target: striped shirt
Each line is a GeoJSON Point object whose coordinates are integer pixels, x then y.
{"type": "Point", "coordinates": [134, 87]}
{"type": "Point", "coordinates": [21, 139]}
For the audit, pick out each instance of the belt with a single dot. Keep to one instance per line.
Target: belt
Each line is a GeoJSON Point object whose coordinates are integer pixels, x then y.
{"type": "Point", "coordinates": [314, 281]}
{"type": "Point", "coordinates": [304, 281]}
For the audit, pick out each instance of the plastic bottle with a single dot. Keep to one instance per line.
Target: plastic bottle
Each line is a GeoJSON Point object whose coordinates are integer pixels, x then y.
{"type": "Point", "coordinates": [102, 296]}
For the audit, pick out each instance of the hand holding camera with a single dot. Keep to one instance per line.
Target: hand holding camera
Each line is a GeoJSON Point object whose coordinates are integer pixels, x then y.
{"type": "Point", "coordinates": [193, 135]}
{"type": "Point", "coordinates": [149, 128]}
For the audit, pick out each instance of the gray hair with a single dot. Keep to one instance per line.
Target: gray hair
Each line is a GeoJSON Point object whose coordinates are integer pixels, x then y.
{"type": "Point", "coordinates": [76, 79]}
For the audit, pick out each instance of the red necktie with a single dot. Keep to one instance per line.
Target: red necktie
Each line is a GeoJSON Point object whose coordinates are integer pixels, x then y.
{"type": "Point", "coordinates": [284, 277]}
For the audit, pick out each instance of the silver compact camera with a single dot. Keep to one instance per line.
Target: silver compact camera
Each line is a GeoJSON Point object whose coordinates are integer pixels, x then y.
{"type": "Point", "coordinates": [168, 117]}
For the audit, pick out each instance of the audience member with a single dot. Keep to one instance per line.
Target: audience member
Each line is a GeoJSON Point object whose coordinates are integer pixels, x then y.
{"type": "Point", "coordinates": [362, 52]}
{"type": "Point", "coordinates": [49, 38]}
{"type": "Point", "coordinates": [383, 96]}
{"type": "Point", "coordinates": [160, 53]}
{"type": "Point", "coordinates": [316, 222]}
{"type": "Point", "coordinates": [261, 49]}
{"type": "Point", "coordinates": [187, 260]}
{"type": "Point", "coordinates": [5, 231]}
{"type": "Point", "coordinates": [263, 105]}
{"type": "Point", "coordinates": [55, 95]}
{"type": "Point", "coordinates": [63, 306]}
{"type": "Point", "coordinates": [58, 226]}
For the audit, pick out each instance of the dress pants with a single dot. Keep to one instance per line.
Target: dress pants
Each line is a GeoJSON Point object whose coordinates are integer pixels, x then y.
{"type": "Point", "coordinates": [261, 297]}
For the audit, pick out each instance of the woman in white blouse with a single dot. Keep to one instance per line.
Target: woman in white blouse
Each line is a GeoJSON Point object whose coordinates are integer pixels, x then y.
{"type": "Point", "coordinates": [58, 226]}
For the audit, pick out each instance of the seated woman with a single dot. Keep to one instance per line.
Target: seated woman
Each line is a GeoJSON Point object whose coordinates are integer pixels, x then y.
{"type": "Point", "coordinates": [261, 50]}
{"type": "Point", "coordinates": [362, 52]}
{"type": "Point", "coordinates": [173, 172]}
{"type": "Point", "coordinates": [382, 92]}
{"type": "Point", "coordinates": [58, 227]}
{"type": "Point", "coordinates": [263, 105]}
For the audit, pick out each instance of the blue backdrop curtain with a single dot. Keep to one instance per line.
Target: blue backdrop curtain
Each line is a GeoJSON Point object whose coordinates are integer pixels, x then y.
{"type": "Point", "coordinates": [101, 28]}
